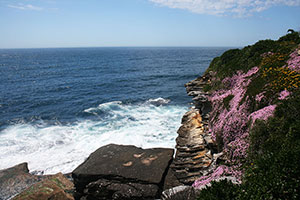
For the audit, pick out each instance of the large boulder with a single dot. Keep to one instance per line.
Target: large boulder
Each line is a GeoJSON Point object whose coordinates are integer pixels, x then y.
{"type": "Point", "coordinates": [123, 172]}
{"type": "Point", "coordinates": [16, 179]}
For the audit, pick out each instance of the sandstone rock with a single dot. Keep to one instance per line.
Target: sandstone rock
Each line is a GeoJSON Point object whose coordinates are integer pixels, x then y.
{"type": "Point", "coordinates": [195, 147]}
{"type": "Point", "coordinates": [121, 171]}
{"type": "Point", "coordinates": [16, 179]}
{"type": "Point", "coordinates": [55, 187]}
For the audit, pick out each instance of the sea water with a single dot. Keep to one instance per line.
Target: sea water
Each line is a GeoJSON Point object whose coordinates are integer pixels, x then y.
{"type": "Point", "coordinates": [59, 105]}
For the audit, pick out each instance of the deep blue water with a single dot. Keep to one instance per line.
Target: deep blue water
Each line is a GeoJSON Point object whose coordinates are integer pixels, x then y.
{"type": "Point", "coordinates": [52, 100]}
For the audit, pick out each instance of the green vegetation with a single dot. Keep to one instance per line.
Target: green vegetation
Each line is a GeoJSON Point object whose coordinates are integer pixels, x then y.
{"type": "Point", "coordinates": [275, 153]}
{"type": "Point", "coordinates": [272, 167]}
{"type": "Point", "coordinates": [227, 100]}
{"type": "Point", "coordinates": [250, 56]}
{"type": "Point", "coordinates": [224, 190]}
{"type": "Point", "coordinates": [270, 56]}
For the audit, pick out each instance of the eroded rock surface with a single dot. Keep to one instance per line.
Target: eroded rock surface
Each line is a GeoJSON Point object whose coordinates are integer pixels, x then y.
{"type": "Point", "coordinates": [180, 192]}
{"type": "Point", "coordinates": [16, 179]}
{"type": "Point", "coordinates": [123, 172]}
{"type": "Point", "coordinates": [54, 187]}
{"type": "Point", "coordinates": [195, 147]}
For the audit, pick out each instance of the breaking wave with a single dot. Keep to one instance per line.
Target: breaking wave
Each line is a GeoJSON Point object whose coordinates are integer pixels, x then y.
{"type": "Point", "coordinates": [61, 148]}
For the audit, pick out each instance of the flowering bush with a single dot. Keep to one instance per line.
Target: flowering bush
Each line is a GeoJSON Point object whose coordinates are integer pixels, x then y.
{"type": "Point", "coordinates": [255, 119]}
{"type": "Point", "coordinates": [280, 72]}
{"type": "Point", "coordinates": [283, 94]}
{"type": "Point", "coordinates": [262, 114]}
{"type": "Point", "coordinates": [294, 61]}
{"type": "Point", "coordinates": [259, 97]}
{"type": "Point", "coordinates": [231, 124]}
{"type": "Point", "coordinates": [282, 78]}
{"type": "Point", "coordinates": [204, 180]}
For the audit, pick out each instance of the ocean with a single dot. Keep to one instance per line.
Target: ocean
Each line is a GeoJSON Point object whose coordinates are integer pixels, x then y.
{"type": "Point", "coordinates": [59, 105]}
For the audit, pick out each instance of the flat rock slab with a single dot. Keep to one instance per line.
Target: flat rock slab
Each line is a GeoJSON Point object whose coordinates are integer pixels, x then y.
{"type": "Point", "coordinates": [16, 179]}
{"type": "Point", "coordinates": [122, 164]}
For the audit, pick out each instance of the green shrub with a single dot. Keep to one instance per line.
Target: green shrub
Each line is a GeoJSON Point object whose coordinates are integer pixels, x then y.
{"type": "Point", "coordinates": [272, 168]}
{"type": "Point", "coordinates": [224, 190]}
{"type": "Point", "coordinates": [227, 100]}
{"type": "Point", "coordinates": [250, 56]}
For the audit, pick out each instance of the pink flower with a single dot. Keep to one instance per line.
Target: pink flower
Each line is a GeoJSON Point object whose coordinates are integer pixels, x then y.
{"type": "Point", "coordinates": [259, 97]}
{"type": "Point", "coordinates": [204, 180]}
{"type": "Point", "coordinates": [231, 124]}
{"type": "Point", "coordinates": [283, 94]}
{"type": "Point", "coordinates": [294, 61]}
{"type": "Point", "coordinates": [262, 114]}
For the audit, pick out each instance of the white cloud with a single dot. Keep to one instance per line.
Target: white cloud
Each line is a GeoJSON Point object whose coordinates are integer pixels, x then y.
{"type": "Point", "coordinates": [25, 7]}
{"type": "Point", "coordinates": [225, 7]}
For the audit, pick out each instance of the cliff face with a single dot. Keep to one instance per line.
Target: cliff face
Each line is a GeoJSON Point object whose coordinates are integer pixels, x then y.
{"type": "Point", "coordinates": [194, 155]}
{"type": "Point", "coordinates": [245, 116]}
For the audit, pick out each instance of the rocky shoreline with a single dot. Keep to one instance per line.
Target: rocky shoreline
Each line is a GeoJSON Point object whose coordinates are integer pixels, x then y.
{"type": "Point", "coordinates": [195, 148]}
{"type": "Point", "coordinates": [128, 172]}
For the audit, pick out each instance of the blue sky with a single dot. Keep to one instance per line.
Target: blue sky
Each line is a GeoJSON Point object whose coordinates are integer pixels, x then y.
{"type": "Point", "coordinates": [101, 23]}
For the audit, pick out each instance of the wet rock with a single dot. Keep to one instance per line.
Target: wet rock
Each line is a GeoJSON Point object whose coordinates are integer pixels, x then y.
{"type": "Point", "coordinates": [123, 172]}
{"type": "Point", "coordinates": [16, 179]}
{"type": "Point", "coordinates": [179, 193]}
{"type": "Point", "coordinates": [54, 187]}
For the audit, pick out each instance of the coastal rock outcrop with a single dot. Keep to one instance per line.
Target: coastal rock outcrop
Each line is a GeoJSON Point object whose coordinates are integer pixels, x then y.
{"type": "Point", "coordinates": [18, 184]}
{"type": "Point", "coordinates": [196, 153]}
{"type": "Point", "coordinates": [54, 187]}
{"type": "Point", "coordinates": [15, 180]}
{"type": "Point", "coordinates": [123, 172]}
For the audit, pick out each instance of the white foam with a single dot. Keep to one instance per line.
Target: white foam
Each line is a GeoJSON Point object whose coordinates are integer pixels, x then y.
{"type": "Point", "coordinates": [158, 101]}
{"type": "Point", "coordinates": [61, 148]}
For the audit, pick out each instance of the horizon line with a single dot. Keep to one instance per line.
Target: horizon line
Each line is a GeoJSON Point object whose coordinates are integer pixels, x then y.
{"type": "Point", "coordinates": [16, 48]}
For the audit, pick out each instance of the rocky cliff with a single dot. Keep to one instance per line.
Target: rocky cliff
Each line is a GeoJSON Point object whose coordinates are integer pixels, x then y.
{"type": "Point", "coordinates": [244, 124]}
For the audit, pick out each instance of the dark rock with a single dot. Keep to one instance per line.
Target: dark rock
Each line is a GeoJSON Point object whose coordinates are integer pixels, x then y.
{"type": "Point", "coordinates": [121, 165]}
{"type": "Point", "coordinates": [113, 189]}
{"type": "Point", "coordinates": [54, 187]}
{"type": "Point", "coordinates": [16, 179]}
{"type": "Point", "coordinates": [171, 180]}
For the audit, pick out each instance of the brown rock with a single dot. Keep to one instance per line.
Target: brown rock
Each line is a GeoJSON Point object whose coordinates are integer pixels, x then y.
{"type": "Point", "coordinates": [195, 148]}
{"type": "Point", "coordinates": [55, 187]}
{"type": "Point", "coordinates": [16, 179]}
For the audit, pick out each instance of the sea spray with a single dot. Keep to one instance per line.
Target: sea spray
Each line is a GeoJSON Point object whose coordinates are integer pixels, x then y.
{"type": "Point", "coordinates": [61, 148]}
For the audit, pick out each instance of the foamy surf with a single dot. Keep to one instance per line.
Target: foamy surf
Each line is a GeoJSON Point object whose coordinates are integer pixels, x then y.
{"type": "Point", "coordinates": [61, 148]}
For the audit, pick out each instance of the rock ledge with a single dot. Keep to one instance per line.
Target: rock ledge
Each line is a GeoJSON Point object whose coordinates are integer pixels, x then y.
{"type": "Point", "coordinates": [123, 172]}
